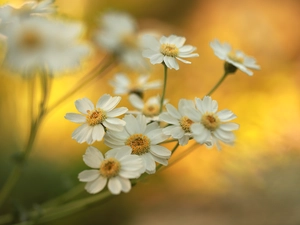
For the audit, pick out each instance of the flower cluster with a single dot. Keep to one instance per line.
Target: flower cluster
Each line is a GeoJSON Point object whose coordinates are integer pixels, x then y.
{"type": "Point", "coordinates": [136, 138]}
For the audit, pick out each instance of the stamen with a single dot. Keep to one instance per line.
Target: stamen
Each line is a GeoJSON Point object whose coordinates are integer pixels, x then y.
{"type": "Point", "coordinates": [95, 117]}
{"type": "Point", "coordinates": [210, 121]}
{"type": "Point", "coordinates": [185, 123]}
{"type": "Point", "coordinates": [139, 143]}
{"type": "Point", "coordinates": [30, 40]}
{"type": "Point", "coordinates": [151, 110]}
{"type": "Point", "coordinates": [110, 168]}
{"type": "Point", "coordinates": [231, 55]}
{"type": "Point", "coordinates": [169, 50]}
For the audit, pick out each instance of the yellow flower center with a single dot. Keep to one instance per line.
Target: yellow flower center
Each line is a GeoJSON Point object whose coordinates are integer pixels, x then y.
{"type": "Point", "coordinates": [151, 110]}
{"type": "Point", "coordinates": [231, 55]}
{"type": "Point", "coordinates": [169, 50]}
{"type": "Point", "coordinates": [95, 117]}
{"type": "Point", "coordinates": [210, 121]}
{"type": "Point", "coordinates": [110, 168]}
{"type": "Point", "coordinates": [185, 123]}
{"type": "Point", "coordinates": [139, 143]}
{"type": "Point", "coordinates": [30, 40]}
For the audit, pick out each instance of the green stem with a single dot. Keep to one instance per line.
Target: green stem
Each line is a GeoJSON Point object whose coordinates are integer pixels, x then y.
{"type": "Point", "coordinates": [17, 170]}
{"type": "Point", "coordinates": [98, 69]}
{"type": "Point", "coordinates": [164, 88]}
{"type": "Point", "coordinates": [218, 84]}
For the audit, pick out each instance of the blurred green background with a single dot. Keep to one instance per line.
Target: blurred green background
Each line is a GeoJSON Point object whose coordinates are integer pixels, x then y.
{"type": "Point", "coordinates": [254, 182]}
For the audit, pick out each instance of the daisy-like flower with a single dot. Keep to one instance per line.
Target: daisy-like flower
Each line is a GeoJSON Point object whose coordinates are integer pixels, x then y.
{"type": "Point", "coordinates": [123, 84]}
{"type": "Point", "coordinates": [115, 170]}
{"type": "Point", "coordinates": [167, 50]}
{"type": "Point", "coordinates": [95, 120]}
{"type": "Point", "coordinates": [179, 123]}
{"type": "Point", "coordinates": [32, 44]}
{"type": "Point", "coordinates": [143, 139]}
{"type": "Point", "coordinates": [118, 34]}
{"type": "Point", "coordinates": [10, 14]}
{"type": "Point", "coordinates": [234, 59]}
{"type": "Point", "coordinates": [149, 108]}
{"type": "Point", "coordinates": [209, 125]}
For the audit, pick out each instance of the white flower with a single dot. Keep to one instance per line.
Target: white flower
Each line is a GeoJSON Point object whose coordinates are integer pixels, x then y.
{"type": "Point", "coordinates": [123, 84]}
{"type": "Point", "coordinates": [116, 169]}
{"type": "Point", "coordinates": [150, 108]}
{"type": "Point", "coordinates": [9, 13]}
{"type": "Point", "coordinates": [37, 43]}
{"type": "Point", "coordinates": [118, 35]}
{"type": "Point", "coordinates": [179, 123]}
{"type": "Point", "coordinates": [95, 119]}
{"type": "Point", "coordinates": [167, 50]}
{"type": "Point", "coordinates": [143, 140]}
{"type": "Point", "coordinates": [209, 125]}
{"type": "Point", "coordinates": [236, 58]}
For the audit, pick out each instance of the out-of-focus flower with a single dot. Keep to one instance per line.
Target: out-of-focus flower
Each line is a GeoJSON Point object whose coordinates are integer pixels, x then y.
{"type": "Point", "coordinates": [179, 123]}
{"type": "Point", "coordinates": [95, 120]}
{"type": "Point", "coordinates": [167, 50]}
{"type": "Point", "coordinates": [33, 44]}
{"type": "Point", "coordinates": [149, 108]}
{"type": "Point", "coordinates": [209, 125]}
{"type": "Point", "coordinates": [123, 84]}
{"type": "Point", "coordinates": [143, 139]}
{"type": "Point", "coordinates": [118, 166]}
{"type": "Point", "coordinates": [118, 35]}
{"type": "Point", "coordinates": [235, 58]}
{"type": "Point", "coordinates": [9, 14]}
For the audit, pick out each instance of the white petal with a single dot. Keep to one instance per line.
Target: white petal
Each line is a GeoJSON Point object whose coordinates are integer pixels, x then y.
{"type": "Point", "coordinates": [98, 133]}
{"type": "Point", "coordinates": [136, 101]}
{"type": "Point", "coordinates": [114, 185]}
{"type": "Point", "coordinates": [117, 112]}
{"type": "Point", "coordinates": [160, 160]}
{"type": "Point", "coordinates": [76, 118]}
{"type": "Point", "coordinates": [157, 136]}
{"type": "Point", "coordinates": [226, 115]}
{"type": "Point", "coordinates": [93, 157]}
{"type": "Point", "coordinates": [229, 126]}
{"type": "Point", "coordinates": [96, 185]}
{"type": "Point", "coordinates": [160, 151]}
{"type": "Point", "coordinates": [82, 133]}
{"type": "Point", "coordinates": [149, 163]}
{"type": "Point", "coordinates": [173, 111]}
{"type": "Point", "coordinates": [168, 119]}
{"type": "Point", "coordinates": [83, 105]}
{"type": "Point", "coordinates": [88, 175]}
{"type": "Point", "coordinates": [125, 183]}
{"type": "Point", "coordinates": [112, 103]}
{"type": "Point", "coordinates": [157, 58]}
{"type": "Point", "coordinates": [132, 126]}
{"type": "Point", "coordinates": [103, 101]}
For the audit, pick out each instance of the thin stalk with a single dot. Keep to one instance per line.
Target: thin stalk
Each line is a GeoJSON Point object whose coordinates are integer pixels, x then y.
{"type": "Point", "coordinates": [164, 88]}
{"type": "Point", "coordinates": [218, 84]}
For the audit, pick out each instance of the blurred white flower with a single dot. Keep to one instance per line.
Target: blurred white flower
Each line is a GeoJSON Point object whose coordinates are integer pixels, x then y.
{"type": "Point", "coordinates": [209, 125]}
{"type": "Point", "coordinates": [10, 14]}
{"type": "Point", "coordinates": [149, 108]}
{"type": "Point", "coordinates": [116, 169]}
{"type": "Point", "coordinates": [37, 43]}
{"type": "Point", "coordinates": [95, 120]}
{"type": "Point", "coordinates": [118, 35]}
{"type": "Point", "coordinates": [143, 139]}
{"type": "Point", "coordinates": [236, 58]}
{"type": "Point", "coordinates": [179, 123]}
{"type": "Point", "coordinates": [123, 85]}
{"type": "Point", "coordinates": [167, 50]}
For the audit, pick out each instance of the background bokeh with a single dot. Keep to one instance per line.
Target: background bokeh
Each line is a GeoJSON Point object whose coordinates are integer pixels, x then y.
{"type": "Point", "coordinates": [254, 182]}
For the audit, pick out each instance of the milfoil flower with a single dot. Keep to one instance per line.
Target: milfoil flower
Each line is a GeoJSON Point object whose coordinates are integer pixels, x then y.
{"type": "Point", "coordinates": [95, 120]}
{"type": "Point", "coordinates": [143, 139]}
{"type": "Point", "coordinates": [237, 58]}
{"type": "Point", "coordinates": [115, 170]}
{"type": "Point", "coordinates": [118, 34]}
{"type": "Point", "coordinates": [179, 123]}
{"type": "Point", "coordinates": [209, 125]}
{"type": "Point", "coordinates": [32, 45]}
{"type": "Point", "coordinates": [149, 108]}
{"type": "Point", "coordinates": [123, 85]}
{"type": "Point", "coordinates": [167, 50]}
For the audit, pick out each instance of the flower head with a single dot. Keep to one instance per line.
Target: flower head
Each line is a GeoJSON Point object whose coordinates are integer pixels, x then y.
{"type": "Point", "coordinates": [95, 120]}
{"type": "Point", "coordinates": [179, 123]}
{"type": "Point", "coordinates": [123, 84]}
{"type": "Point", "coordinates": [118, 35]}
{"type": "Point", "coordinates": [116, 168]}
{"type": "Point", "coordinates": [237, 58]}
{"type": "Point", "coordinates": [149, 108]}
{"type": "Point", "coordinates": [167, 50]}
{"type": "Point", "coordinates": [211, 126]}
{"type": "Point", "coordinates": [33, 44]}
{"type": "Point", "coordinates": [143, 139]}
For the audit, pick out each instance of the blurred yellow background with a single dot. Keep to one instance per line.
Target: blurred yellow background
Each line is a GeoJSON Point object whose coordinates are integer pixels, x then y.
{"type": "Point", "coordinates": [254, 182]}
